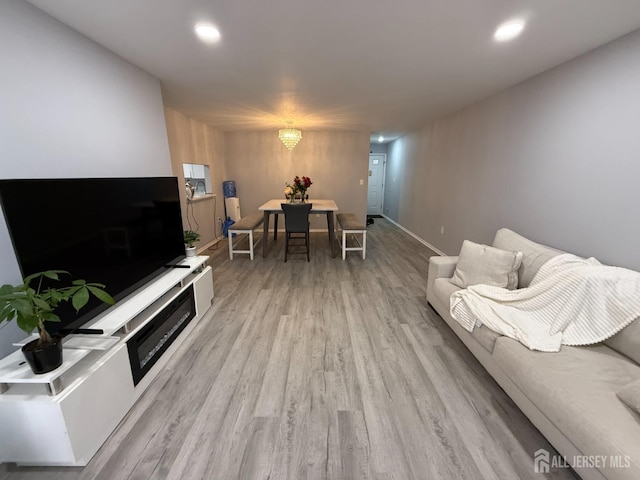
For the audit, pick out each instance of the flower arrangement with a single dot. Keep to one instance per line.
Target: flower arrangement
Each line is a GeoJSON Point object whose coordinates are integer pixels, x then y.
{"type": "Point", "coordinates": [300, 185]}
{"type": "Point", "coordinates": [289, 191]}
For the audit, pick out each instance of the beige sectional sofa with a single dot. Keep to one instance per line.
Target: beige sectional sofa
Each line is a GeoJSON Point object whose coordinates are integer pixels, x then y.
{"type": "Point", "coordinates": [570, 396]}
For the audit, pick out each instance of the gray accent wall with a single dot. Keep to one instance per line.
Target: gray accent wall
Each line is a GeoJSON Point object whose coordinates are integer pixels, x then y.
{"type": "Point", "coordinates": [556, 158]}
{"type": "Point", "coordinates": [191, 141]}
{"type": "Point", "coordinates": [335, 161]}
{"type": "Point", "coordinates": [70, 108]}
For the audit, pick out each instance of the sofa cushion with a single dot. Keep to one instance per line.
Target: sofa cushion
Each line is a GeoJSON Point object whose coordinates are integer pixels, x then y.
{"type": "Point", "coordinates": [486, 265]}
{"type": "Point", "coordinates": [576, 390]}
{"type": "Point", "coordinates": [627, 341]}
{"type": "Point", "coordinates": [442, 289]}
{"type": "Point", "coordinates": [630, 395]}
{"type": "Point", "coordinates": [534, 254]}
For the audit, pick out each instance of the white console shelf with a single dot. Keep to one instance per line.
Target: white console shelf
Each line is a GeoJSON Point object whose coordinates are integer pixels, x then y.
{"type": "Point", "coordinates": [63, 417]}
{"type": "Point", "coordinates": [14, 370]}
{"type": "Point", "coordinates": [119, 317]}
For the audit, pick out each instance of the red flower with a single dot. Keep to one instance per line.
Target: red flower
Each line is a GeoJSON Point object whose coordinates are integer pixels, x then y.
{"type": "Point", "coordinates": [302, 183]}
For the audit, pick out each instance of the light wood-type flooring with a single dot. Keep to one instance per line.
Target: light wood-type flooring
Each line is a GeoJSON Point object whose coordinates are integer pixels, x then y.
{"type": "Point", "coordinates": [323, 370]}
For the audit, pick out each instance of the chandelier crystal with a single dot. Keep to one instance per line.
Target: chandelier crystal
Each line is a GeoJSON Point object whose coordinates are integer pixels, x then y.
{"type": "Point", "coordinates": [290, 137]}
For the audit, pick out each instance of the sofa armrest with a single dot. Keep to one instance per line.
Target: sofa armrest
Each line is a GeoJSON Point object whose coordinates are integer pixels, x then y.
{"type": "Point", "coordinates": [440, 267]}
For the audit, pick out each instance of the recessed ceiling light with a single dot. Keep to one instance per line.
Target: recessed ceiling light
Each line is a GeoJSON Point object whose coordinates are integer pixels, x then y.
{"type": "Point", "coordinates": [380, 139]}
{"type": "Point", "coordinates": [207, 32]}
{"type": "Point", "coordinates": [508, 30]}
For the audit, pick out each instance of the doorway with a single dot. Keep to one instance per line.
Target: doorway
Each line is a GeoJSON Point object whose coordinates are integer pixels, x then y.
{"type": "Point", "coordinates": [375, 190]}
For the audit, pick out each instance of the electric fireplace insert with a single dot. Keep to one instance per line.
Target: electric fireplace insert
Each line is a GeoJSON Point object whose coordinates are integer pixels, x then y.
{"type": "Point", "coordinates": [147, 346]}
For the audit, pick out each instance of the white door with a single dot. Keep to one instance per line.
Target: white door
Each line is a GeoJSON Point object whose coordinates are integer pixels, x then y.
{"type": "Point", "coordinates": [375, 192]}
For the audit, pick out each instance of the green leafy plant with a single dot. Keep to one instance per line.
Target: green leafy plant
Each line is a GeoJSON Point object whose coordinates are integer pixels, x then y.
{"type": "Point", "coordinates": [190, 237]}
{"type": "Point", "coordinates": [31, 307]}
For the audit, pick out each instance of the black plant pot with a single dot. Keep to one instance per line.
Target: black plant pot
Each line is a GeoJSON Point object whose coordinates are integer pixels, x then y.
{"type": "Point", "coordinates": [43, 359]}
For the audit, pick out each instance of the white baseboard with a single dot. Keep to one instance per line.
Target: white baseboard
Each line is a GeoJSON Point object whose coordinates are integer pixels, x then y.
{"type": "Point", "coordinates": [203, 250]}
{"type": "Point", "coordinates": [422, 241]}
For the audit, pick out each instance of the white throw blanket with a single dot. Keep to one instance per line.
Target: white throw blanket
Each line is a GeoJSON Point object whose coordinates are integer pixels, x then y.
{"type": "Point", "coordinates": [570, 301]}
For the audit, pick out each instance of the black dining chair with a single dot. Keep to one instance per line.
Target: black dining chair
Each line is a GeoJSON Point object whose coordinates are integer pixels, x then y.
{"type": "Point", "coordinates": [296, 221]}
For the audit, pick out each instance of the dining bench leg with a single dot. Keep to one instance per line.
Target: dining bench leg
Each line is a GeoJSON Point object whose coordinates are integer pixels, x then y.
{"type": "Point", "coordinates": [349, 224]}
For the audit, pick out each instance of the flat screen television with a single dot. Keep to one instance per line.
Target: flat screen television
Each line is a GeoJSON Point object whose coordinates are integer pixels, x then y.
{"type": "Point", "coordinates": [121, 232]}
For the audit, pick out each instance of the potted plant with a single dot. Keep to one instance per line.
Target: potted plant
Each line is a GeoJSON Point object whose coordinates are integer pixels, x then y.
{"type": "Point", "coordinates": [191, 237]}
{"type": "Point", "coordinates": [31, 307]}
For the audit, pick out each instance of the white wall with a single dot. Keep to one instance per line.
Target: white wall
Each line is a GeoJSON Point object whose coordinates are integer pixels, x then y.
{"type": "Point", "coordinates": [376, 147]}
{"type": "Point", "coordinates": [70, 108]}
{"type": "Point", "coordinates": [555, 158]}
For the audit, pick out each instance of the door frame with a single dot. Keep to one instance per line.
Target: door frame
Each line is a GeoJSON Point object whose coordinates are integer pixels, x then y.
{"type": "Point", "coordinates": [384, 173]}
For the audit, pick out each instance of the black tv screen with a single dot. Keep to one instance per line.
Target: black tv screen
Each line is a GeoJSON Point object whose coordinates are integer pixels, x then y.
{"type": "Point", "coordinates": [121, 232]}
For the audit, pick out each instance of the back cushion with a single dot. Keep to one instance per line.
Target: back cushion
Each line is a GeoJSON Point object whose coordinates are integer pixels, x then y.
{"type": "Point", "coordinates": [627, 341]}
{"type": "Point", "coordinates": [534, 254]}
{"type": "Point", "coordinates": [480, 264]}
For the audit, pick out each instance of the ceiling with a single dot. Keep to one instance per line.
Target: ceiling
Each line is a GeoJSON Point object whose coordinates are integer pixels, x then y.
{"type": "Point", "coordinates": [385, 67]}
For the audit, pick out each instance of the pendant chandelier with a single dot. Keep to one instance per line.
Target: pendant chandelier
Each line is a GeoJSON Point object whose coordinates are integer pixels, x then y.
{"type": "Point", "coordinates": [290, 136]}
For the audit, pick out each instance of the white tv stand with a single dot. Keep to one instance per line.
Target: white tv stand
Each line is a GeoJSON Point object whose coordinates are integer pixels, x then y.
{"type": "Point", "coordinates": [64, 416]}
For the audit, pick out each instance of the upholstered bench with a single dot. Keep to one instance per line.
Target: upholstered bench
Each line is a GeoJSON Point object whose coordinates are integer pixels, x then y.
{"type": "Point", "coordinates": [245, 225]}
{"type": "Point", "coordinates": [350, 225]}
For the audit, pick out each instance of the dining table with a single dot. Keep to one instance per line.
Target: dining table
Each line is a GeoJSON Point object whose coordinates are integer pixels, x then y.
{"type": "Point", "coordinates": [274, 206]}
